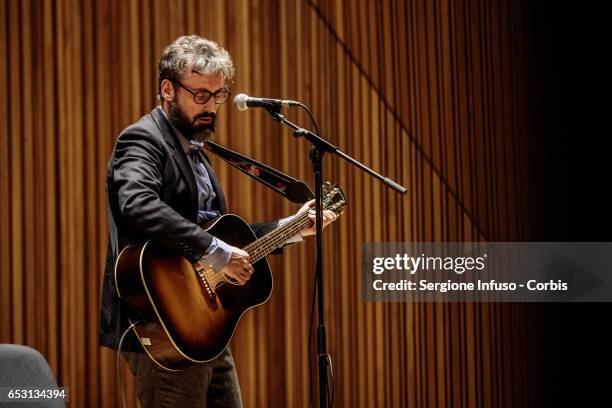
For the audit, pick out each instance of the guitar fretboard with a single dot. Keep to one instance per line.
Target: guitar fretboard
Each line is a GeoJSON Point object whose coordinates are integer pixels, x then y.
{"type": "Point", "coordinates": [263, 246]}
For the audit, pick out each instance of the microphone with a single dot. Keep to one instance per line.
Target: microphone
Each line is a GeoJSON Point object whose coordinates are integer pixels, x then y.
{"type": "Point", "coordinates": [244, 101]}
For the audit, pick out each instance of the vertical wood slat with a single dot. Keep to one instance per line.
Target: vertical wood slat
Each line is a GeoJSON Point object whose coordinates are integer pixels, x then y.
{"type": "Point", "coordinates": [16, 183]}
{"type": "Point", "coordinates": [422, 91]}
{"type": "Point", "coordinates": [5, 247]}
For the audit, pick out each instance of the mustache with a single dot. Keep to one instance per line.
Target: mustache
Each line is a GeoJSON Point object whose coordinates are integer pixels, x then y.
{"type": "Point", "coordinates": [205, 115]}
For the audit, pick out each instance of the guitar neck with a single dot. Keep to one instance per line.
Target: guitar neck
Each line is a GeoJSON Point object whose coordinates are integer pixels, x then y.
{"type": "Point", "coordinates": [275, 239]}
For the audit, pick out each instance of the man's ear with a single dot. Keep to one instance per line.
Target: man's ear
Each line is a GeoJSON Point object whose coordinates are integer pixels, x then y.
{"type": "Point", "coordinates": [167, 91]}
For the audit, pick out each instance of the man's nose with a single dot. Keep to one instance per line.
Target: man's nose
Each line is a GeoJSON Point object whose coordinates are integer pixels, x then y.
{"type": "Point", "coordinates": [211, 105]}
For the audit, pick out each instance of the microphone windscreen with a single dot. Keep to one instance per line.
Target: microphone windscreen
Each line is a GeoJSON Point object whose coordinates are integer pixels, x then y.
{"type": "Point", "coordinates": [240, 101]}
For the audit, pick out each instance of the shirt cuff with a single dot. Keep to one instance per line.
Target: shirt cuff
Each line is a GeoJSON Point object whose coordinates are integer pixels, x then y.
{"type": "Point", "coordinates": [295, 238]}
{"type": "Point", "coordinates": [217, 254]}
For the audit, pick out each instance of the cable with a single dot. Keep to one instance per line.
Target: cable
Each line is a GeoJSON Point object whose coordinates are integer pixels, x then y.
{"type": "Point", "coordinates": [331, 377]}
{"type": "Point", "coordinates": [314, 291]}
{"type": "Point", "coordinates": [330, 400]}
{"type": "Point", "coordinates": [119, 375]}
{"type": "Point", "coordinates": [311, 118]}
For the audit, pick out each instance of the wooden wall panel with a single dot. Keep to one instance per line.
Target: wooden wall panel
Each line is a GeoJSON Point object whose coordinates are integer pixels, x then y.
{"type": "Point", "coordinates": [430, 93]}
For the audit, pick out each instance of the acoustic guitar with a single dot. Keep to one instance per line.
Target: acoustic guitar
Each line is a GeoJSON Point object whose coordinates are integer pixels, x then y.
{"type": "Point", "coordinates": [188, 311]}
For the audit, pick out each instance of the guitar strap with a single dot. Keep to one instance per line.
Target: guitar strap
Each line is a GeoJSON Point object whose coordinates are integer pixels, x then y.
{"type": "Point", "coordinates": [292, 189]}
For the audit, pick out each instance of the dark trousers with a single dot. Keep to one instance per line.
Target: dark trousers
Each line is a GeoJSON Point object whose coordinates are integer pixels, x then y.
{"type": "Point", "coordinates": [208, 385]}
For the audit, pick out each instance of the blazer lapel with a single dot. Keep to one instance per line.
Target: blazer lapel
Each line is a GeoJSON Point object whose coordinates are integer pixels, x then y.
{"type": "Point", "coordinates": [179, 156]}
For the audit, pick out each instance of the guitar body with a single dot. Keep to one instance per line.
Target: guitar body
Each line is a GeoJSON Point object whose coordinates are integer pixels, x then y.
{"type": "Point", "coordinates": [190, 317]}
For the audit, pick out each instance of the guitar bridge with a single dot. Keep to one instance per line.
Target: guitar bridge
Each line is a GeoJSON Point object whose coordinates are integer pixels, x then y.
{"type": "Point", "coordinates": [207, 288]}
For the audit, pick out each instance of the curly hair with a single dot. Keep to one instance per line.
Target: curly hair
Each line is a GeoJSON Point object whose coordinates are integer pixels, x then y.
{"type": "Point", "coordinates": [192, 53]}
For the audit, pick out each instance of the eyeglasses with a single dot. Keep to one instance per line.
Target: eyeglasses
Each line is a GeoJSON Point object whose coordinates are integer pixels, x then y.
{"type": "Point", "coordinates": [201, 97]}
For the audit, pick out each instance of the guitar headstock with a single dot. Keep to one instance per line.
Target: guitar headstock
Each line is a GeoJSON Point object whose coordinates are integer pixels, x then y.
{"type": "Point", "coordinates": [333, 198]}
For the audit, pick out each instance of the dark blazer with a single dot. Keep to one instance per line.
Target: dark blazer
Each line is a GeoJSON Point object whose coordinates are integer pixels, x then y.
{"type": "Point", "coordinates": [151, 194]}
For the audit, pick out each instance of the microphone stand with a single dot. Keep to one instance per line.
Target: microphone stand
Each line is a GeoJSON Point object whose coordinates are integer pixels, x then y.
{"type": "Point", "coordinates": [318, 149]}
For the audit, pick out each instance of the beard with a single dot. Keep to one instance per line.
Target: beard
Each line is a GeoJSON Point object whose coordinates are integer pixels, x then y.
{"type": "Point", "coordinates": [198, 133]}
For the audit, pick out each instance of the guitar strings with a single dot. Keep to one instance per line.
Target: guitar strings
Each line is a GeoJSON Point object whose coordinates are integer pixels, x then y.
{"type": "Point", "coordinates": [257, 249]}
{"type": "Point", "coordinates": [261, 247]}
{"type": "Point", "coordinates": [275, 238]}
{"type": "Point", "coordinates": [263, 241]}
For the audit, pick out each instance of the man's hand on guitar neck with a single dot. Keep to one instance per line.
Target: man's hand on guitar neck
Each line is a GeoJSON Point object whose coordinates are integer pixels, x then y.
{"type": "Point", "coordinates": [239, 268]}
{"type": "Point", "coordinates": [328, 218]}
